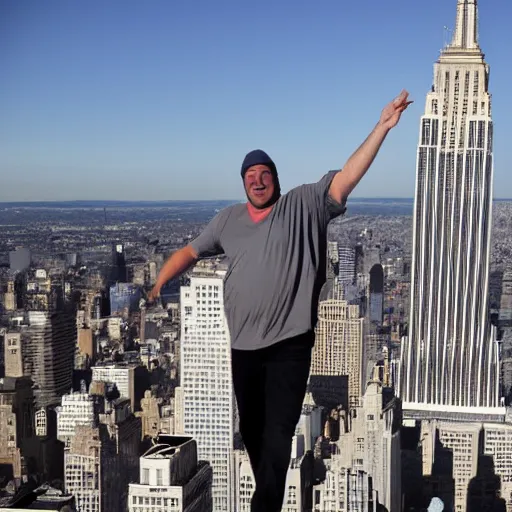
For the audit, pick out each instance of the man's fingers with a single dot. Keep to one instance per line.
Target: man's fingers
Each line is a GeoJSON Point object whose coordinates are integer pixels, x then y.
{"type": "Point", "coordinates": [403, 106]}
{"type": "Point", "coordinates": [401, 97]}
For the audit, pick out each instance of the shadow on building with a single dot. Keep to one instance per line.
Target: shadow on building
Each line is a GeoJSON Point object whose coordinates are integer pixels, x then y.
{"type": "Point", "coordinates": [495, 289]}
{"type": "Point", "coordinates": [484, 489]}
{"type": "Point", "coordinates": [329, 391]}
{"type": "Point", "coordinates": [419, 489]}
{"type": "Point", "coordinates": [81, 378]}
{"type": "Point", "coordinates": [44, 453]}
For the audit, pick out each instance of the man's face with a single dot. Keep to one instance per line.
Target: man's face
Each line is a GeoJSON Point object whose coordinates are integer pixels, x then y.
{"type": "Point", "coordinates": [259, 185]}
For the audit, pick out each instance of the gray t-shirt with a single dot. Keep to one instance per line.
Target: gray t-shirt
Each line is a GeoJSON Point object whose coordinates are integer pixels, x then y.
{"type": "Point", "coordinates": [276, 267]}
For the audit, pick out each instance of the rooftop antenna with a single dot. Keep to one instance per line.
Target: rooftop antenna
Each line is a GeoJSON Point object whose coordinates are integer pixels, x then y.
{"type": "Point", "coordinates": [447, 33]}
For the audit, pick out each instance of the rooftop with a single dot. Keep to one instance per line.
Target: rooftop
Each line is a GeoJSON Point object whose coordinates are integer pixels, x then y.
{"type": "Point", "coordinates": [166, 446]}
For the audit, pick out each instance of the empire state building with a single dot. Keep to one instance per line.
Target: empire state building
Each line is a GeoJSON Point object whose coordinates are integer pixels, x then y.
{"type": "Point", "coordinates": [449, 361]}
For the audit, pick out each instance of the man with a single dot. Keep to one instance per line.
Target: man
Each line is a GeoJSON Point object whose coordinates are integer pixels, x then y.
{"type": "Point", "coordinates": [276, 251]}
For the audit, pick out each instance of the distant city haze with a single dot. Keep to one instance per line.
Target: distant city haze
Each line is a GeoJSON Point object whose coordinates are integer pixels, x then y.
{"type": "Point", "coordinates": [134, 101]}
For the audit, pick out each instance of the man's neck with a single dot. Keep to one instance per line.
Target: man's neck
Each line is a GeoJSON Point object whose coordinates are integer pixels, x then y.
{"type": "Point", "coordinates": [258, 214]}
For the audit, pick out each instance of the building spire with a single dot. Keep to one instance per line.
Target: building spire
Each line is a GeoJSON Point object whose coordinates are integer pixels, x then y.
{"type": "Point", "coordinates": [465, 35]}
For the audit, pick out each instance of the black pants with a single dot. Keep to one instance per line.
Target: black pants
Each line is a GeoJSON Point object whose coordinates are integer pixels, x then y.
{"type": "Point", "coordinates": [270, 385]}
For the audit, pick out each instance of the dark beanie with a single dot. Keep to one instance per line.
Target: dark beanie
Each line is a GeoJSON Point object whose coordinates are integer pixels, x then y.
{"type": "Point", "coordinates": [258, 157]}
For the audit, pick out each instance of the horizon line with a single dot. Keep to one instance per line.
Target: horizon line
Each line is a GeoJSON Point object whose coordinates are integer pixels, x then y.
{"type": "Point", "coordinates": [149, 201]}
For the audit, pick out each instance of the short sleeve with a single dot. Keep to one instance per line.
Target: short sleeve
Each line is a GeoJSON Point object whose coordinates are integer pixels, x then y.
{"type": "Point", "coordinates": [208, 243]}
{"type": "Point", "coordinates": [317, 196]}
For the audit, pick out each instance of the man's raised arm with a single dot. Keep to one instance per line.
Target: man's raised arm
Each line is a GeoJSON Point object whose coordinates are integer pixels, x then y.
{"type": "Point", "coordinates": [206, 244]}
{"type": "Point", "coordinates": [177, 263]}
{"type": "Point", "coordinates": [357, 165]}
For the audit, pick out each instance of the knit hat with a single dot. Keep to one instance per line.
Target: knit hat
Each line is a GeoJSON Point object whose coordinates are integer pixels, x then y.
{"type": "Point", "coordinates": [258, 157]}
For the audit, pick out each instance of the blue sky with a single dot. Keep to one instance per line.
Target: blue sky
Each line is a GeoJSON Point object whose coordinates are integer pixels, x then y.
{"type": "Point", "coordinates": [162, 99]}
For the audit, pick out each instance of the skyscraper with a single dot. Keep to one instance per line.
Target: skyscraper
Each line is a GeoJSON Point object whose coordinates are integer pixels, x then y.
{"type": "Point", "coordinates": [338, 348]}
{"type": "Point", "coordinates": [376, 294]}
{"type": "Point", "coordinates": [207, 392]}
{"type": "Point", "coordinates": [347, 264]}
{"type": "Point", "coordinates": [42, 348]}
{"type": "Point", "coordinates": [449, 361]}
{"type": "Point", "coordinates": [118, 274]}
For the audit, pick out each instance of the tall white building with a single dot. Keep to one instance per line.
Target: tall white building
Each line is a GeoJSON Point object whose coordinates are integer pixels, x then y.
{"type": "Point", "coordinates": [207, 392]}
{"type": "Point", "coordinates": [450, 358]}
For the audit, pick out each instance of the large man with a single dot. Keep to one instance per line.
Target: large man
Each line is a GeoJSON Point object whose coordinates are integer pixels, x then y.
{"type": "Point", "coordinates": [276, 250]}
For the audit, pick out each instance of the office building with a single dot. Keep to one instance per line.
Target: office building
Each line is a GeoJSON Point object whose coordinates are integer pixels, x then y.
{"type": "Point", "coordinates": [505, 315]}
{"type": "Point", "coordinates": [76, 409]}
{"type": "Point", "coordinates": [344, 490]}
{"type": "Point", "coordinates": [172, 478]}
{"type": "Point", "coordinates": [131, 380]}
{"type": "Point", "coordinates": [16, 424]}
{"type": "Point", "coordinates": [42, 346]}
{"type": "Point", "coordinates": [346, 265]}
{"type": "Point", "coordinates": [119, 270]}
{"type": "Point", "coordinates": [376, 294]}
{"type": "Point", "coordinates": [450, 357]}
{"type": "Point", "coordinates": [101, 460]}
{"type": "Point", "coordinates": [497, 447]}
{"type": "Point", "coordinates": [207, 392]}
{"type": "Point", "coordinates": [364, 464]}
{"type": "Point", "coordinates": [338, 348]}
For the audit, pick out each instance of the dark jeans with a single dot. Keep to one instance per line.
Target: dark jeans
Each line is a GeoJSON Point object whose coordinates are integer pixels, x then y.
{"type": "Point", "coordinates": [270, 385]}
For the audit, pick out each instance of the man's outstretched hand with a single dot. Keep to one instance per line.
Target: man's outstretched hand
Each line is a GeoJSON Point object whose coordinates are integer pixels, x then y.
{"type": "Point", "coordinates": [154, 295]}
{"type": "Point", "coordinates": [392, 112]}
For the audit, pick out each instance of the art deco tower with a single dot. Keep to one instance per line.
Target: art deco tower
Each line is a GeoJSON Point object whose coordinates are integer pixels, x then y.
{"type": "Point", "coordinates": [449, 361]}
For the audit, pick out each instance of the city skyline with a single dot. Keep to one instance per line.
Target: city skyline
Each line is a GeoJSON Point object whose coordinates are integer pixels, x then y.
{"type": "Point", "coordinates": [450, 355]}
{"type": "Point", "coordinates": [96, 97]}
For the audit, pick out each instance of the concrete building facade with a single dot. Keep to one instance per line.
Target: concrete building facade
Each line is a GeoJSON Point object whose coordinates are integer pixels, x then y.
{"type": "Point", "coordinates": [206, 386]}
{"type": "Point", "coordinates": [171, 478]}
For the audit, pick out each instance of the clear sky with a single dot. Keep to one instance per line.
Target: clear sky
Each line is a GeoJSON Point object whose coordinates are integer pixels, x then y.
{"type": "Point", "coordinates": [161, 99]}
